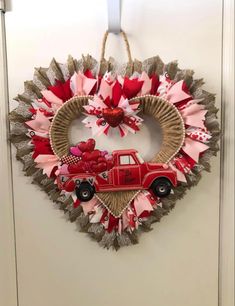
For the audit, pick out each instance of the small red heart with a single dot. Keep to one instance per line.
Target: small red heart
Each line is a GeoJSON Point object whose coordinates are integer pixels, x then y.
{"type": "Point", "coordinates": [113, 116]}
{"type": "Point", "coordinates": [88, 156]}
{"type": "Point", "coordinates": [101, 159]}
{"type": "Point", "coordinates": [100, 167]}
{"type": "Point", "coordinates": [79, 167]}
{"type": "Point", "coordinates": [86, 146]}
{"type": "Point", "coordinates": [89, 165]}
{"type": "Point", "coordinates": [82, 146]}
{"type": "Point", "coordinates": [90, 144]}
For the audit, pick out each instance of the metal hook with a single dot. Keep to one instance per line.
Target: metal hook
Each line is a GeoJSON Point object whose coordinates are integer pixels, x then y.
{"type": "Point", "coordinates": [114, 16]}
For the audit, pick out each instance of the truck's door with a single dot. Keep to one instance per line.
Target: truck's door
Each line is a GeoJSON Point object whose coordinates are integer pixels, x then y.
{"type": "Point", "coordinates": [128, 171]}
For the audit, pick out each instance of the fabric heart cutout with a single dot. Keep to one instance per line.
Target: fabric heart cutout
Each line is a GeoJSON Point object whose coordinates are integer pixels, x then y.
{"type": "Point", "coordinates": [113, 116]}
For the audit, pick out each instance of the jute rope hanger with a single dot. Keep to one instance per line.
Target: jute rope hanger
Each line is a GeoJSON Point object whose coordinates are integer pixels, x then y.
{"type": "Point", "coordinates": [123, 34]}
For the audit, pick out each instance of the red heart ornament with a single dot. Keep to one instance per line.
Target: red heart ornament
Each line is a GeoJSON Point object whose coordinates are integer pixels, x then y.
{"type": "Point", "coordinates": [113, 116]}
{"type": "Point", "coordinates": [88, 156]}
{"type": "Point", "coordinates": [82, 146]}
{"type": "Point", "coordinates": [90, 144]}
{"type": "Point", "coordinates": [79, 167]}
{"type": "Point", "coordinates": [101, 159]}
{"type": "Point", "coordinates": [100, 167]}
{"type": "Point", "coordinates": [89, 165]}
{"type": "Point", "coordinates": [86, 146]}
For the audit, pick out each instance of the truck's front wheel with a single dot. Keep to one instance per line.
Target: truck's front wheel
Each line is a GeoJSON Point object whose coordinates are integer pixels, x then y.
{"type": "Point", "coordinates": [85, 192]}
{"type": "Point", "coordinates": [161, 187]}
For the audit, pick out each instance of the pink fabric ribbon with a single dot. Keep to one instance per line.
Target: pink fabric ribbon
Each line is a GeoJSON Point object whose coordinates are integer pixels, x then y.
{"type": "Point", "coordinates": [47, 163]}
{"type": "Point", "coordinates": [194, 115]}
{"type": "Point", "coordinates": [180, 176]}
{"type": "Point", "coordinates": [142, 203]}
{"type": "Point", "coordinates": [194, 148]}
{"type": "Point", "coordinates": [82, 85]}
{"type": "Point", "coordinates": [105, 89]}
{"type": "Point", "coordinates": [52, 98]}
{"type": "Point", "coordinates": [198, 134]}
{"type": "Point", "coordinates": [40, 123]}
{"type": "Point", "coordinates": [176, 94]}
{"type": "Point", "coordinates": [89, 206]}
{"type": "Point", "coordinates": [146, 87]}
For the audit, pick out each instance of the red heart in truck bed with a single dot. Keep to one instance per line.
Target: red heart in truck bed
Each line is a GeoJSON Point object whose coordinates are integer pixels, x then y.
{"type": "Point", "coordinates": [86, 146]}
{"type": "Point", "coordinates": [100, 167]}
{"type": "Point", "coordinates": [88, 156]}
{"type": "Point", "coordinates": [79, 167]}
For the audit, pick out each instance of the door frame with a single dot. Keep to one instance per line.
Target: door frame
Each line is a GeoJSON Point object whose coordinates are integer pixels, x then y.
{"type": "Point", "coordinates": [8, 263]}
{"type": "Point", "coordinates": [226, 233]}
{"type": "Point", "coordinates": [8, 258]}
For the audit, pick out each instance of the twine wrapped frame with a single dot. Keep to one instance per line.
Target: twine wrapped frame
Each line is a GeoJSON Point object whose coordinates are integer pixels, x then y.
{"type": "Point", "coordinates": [165, 113]}
{"type": "Point", "coordinates": [44, 77]}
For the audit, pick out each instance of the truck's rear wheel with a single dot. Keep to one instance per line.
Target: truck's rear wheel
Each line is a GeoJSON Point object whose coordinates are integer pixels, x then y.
{"type": "Point", "coordinates": [161, 187]}
{"type": "Point", "coordinates": [85, 192]}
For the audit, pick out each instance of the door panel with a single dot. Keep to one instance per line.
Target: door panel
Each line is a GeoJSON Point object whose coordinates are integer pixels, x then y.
{"type": "Point", "coordinates": [177, 262]}
{"type": "Point", "coordinates": [129, 176]}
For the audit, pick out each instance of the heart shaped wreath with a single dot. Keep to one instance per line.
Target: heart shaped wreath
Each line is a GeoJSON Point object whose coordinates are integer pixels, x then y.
{"type": "Point", "coordinates": [114, 195]}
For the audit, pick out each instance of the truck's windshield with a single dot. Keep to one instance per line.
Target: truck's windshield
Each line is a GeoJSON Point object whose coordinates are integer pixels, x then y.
{"type": "Point", "coordinates": [139, 158]}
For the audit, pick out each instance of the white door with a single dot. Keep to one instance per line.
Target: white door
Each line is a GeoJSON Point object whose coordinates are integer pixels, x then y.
{"type": "Point", "coordinates": [176, 263]}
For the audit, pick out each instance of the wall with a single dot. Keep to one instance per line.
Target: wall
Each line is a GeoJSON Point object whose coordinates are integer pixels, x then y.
{"type": "Point", "coordinates": [176, 263]}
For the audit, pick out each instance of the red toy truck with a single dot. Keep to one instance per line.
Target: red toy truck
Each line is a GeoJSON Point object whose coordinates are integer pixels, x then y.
{"type": "Point", "coordinates": [129, 172]}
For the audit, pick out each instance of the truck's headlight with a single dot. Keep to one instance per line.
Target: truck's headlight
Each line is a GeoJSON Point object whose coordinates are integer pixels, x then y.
{"type": "Point", "coordinates": [165, 166]}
